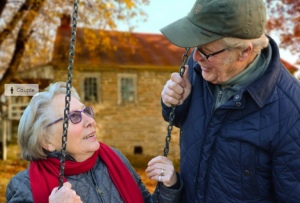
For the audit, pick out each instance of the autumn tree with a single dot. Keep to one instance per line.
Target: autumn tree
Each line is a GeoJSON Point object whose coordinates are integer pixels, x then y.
{"type": "Point", "coordinates": [28, 31]}
{"type": "Point", "coordinates": [2, 6]}
{"type": "Point", "coordinates": [284, 17]}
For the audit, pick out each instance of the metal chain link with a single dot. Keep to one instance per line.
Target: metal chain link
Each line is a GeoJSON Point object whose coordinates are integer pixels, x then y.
{"type": "Point", "coordinates": [68, 93]}
{"type": "Point", "coordinates": [172, 115]}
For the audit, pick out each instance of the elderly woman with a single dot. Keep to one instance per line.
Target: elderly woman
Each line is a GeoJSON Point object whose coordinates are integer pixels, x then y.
{"type": "Point", "coordinates": [94, 172]}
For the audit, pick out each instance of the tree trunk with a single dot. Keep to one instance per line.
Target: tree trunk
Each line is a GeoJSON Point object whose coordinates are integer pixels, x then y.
{"type": "Point", "coordinates": [22, 38]}
{"type": "Point", "coordinates": [17, 17]}
{"type": "Point", "coordinates": [2, 5]}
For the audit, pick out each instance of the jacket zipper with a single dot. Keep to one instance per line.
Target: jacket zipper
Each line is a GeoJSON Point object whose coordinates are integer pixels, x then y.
{"type": "Point", "coordinates": [97, 188]}
{"type": "Point", "coordinates": [212, 112]}
{"type": "Point", "coordinates": [212, 109]}
{"type": "Point", "coordinates": [210, 160]}
{"type": "Point", "coordinates": [220, 95]}
{"type": "Point", "coordinates": [100, 193]}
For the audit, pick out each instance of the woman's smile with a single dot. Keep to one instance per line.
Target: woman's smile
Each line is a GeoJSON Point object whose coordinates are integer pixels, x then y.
{"type": "Point", "coordinates": [90, 136]}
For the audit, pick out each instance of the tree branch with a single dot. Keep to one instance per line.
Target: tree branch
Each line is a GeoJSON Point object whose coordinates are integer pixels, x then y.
{"type": "Point", "coordinates": [22, 38]}
{"type": "Point", "coordinates": [2, 5]}
{"type": "Point", "coordinates": [17, 17]}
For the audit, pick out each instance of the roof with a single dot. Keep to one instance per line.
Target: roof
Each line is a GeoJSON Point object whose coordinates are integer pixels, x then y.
{"type": "Point", "coordinates": [289, 66]}
{"type": "Point", "coordinates": [143, 49]}
{"type": "Point", "coordinates": [139, 49]}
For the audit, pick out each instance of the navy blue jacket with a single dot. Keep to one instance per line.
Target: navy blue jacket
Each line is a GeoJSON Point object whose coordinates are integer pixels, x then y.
{"type": "Point", "coordinates": [248, 149]}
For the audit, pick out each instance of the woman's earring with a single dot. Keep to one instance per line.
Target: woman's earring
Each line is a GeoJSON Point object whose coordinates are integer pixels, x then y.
{"type": "Point", "coordinates": [51, 147]}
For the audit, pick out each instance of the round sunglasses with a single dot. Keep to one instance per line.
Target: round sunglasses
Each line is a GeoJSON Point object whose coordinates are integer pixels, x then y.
{"type": "Point", "coordinates": [75, 116]}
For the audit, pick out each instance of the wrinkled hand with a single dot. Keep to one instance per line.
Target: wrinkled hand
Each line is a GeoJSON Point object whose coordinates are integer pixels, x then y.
{"type": "Point", "coordinates": [155, 167]}
{"type": "Point", "coordinates": [64, 195]}
{"type": "Point", "coordinates": [177, 89]}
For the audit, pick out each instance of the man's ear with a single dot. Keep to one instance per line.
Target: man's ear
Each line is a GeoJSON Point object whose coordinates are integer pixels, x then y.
{"type": "Point", "coordinates": [246, 53]}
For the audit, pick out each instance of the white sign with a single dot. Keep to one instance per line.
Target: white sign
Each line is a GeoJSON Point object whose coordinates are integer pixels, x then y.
{"type": "Point", "coordinates": [21, 89]}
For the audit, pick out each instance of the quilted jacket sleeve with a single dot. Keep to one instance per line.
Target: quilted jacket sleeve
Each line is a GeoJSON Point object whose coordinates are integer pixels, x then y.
{"type": "Point", "coordinates": [166, 195]}
{"type": "Point", "coordinates": [286, 166]}
{"type": "Point", "coordinates": [181, 110]}
{"type": "Point", "coordinates": [18, 189]}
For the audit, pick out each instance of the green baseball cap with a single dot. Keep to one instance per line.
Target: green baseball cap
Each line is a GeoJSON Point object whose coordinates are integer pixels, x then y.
{"type": "Point", "coordinates": [210, 20]}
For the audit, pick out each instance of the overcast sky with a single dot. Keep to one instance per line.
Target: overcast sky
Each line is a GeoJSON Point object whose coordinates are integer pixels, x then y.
{"type": "Point", "coordinates": [163, 12]}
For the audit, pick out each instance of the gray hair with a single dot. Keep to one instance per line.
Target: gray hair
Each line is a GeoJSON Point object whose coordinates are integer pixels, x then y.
{"type": "Point", "coordinates": [241, 44]}
{"type": "Point", "coordinates": [32, 131]}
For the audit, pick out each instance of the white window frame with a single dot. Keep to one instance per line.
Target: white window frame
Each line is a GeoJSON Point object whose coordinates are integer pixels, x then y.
{"type": "Point", "coordinates": [131, 76]}
{"type": "Point", "coordinates": [14, 111]}
{"type": "Point", "coordinates": [90, 75]}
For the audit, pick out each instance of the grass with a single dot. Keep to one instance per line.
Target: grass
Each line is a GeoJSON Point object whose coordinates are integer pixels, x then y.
{"type": "Point", "coordinates": [14, 164]}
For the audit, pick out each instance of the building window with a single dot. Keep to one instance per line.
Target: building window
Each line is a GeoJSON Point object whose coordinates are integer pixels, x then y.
{"type": "Point", "coordinates": [90, 87]}
{"type": "Point", "coordinates": [127, 88]}
{"type": "Point", "coordinates": [138, 150]}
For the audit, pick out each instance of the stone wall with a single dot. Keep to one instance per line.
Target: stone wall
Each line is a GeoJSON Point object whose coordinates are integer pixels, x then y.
{"type": "Point", "coordinates": [128, 125]}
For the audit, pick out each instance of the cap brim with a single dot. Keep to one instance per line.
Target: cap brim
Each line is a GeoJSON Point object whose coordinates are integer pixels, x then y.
{"type": "Point", "coordinates": [183, 33]}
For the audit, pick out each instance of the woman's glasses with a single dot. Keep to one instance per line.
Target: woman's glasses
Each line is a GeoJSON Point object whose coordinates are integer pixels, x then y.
{"type": "Point", "coordinates": [75, 116]}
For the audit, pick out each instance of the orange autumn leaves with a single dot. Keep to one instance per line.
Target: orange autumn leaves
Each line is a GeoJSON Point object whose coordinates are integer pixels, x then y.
{"type": "Point", "coordinates": [284, 16]}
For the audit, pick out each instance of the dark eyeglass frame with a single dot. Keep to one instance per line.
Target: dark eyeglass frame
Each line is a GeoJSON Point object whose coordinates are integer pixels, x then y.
{"type": "Point", "coordinates": [89, 107]}
{"type": "Point", "coordinates": [207, 56]}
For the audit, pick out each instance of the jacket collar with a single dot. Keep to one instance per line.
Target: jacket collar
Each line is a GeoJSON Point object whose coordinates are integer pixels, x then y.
{"type": "Point", "coordinates": [57, 155]}
{"type": "Point", "coordinates": [261, 89]}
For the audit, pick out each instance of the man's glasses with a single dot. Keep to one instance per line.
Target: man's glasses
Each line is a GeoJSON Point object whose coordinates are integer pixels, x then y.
{"type": "Point", "coordinates": [75, 116]}
{"type": "Point", "coordinates": [205, 56]}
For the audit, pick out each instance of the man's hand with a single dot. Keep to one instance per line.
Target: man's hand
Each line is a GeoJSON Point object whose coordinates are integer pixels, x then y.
{"type": "Point", "coordinates": [177, 89]}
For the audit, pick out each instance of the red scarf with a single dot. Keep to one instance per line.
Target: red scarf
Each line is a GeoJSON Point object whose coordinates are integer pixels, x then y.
{"type": "Point", "coordinates": [44, 174]}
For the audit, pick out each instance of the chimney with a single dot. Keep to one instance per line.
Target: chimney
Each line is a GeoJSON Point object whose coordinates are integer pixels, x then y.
{"type": "Point", "coordinates": [65, 22]}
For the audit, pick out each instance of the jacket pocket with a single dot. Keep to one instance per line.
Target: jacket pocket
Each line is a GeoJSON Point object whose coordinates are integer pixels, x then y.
{"type": "Point", "coordinates": [248, 172]}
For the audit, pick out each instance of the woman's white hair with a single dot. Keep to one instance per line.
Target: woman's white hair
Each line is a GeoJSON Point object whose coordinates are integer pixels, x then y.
{"type": "Point", "coordinates": [32, 131]}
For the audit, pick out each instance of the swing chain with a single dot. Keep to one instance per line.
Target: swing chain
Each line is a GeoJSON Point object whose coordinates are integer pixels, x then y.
{"type": "Point", "coordinates": [68, 92]}
{"type": "Point", "coordinates": [172, 116]}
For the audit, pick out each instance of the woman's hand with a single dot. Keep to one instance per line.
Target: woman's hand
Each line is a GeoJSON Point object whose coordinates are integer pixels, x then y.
{"type": "Point", "coordinates": [64, 195]}
{"type": "Point", "coordinates": [162, 166]}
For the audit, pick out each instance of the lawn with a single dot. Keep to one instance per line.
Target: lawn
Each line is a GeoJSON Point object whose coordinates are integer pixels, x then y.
{"type": "Point", "coordinates": [13, 165]}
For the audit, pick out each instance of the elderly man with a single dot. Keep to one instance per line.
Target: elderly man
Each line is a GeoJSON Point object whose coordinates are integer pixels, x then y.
{"type": "Point", "coordinates": [237, 106]}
